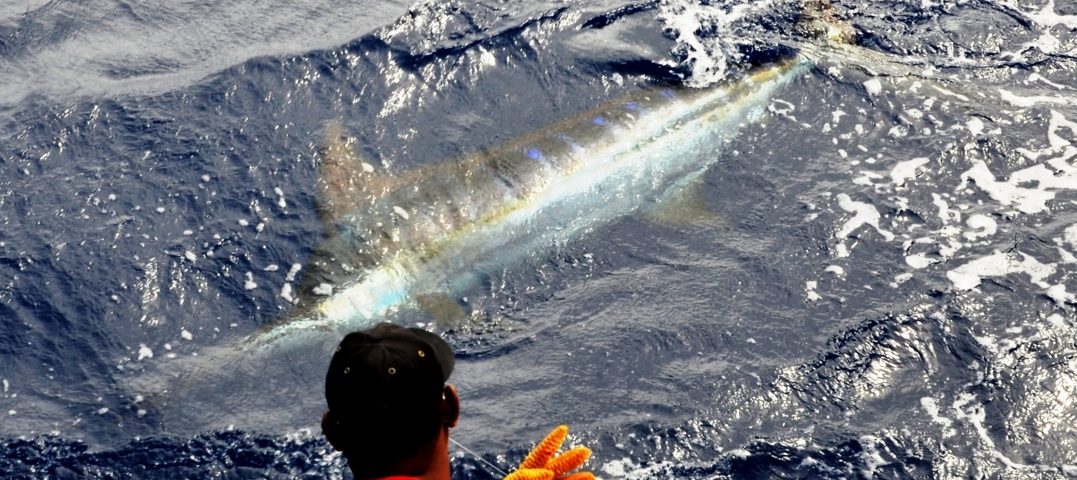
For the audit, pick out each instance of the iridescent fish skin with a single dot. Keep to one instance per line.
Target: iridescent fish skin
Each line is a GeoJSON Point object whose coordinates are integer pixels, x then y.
{"type": "Point", "coordinates": [392, 237]}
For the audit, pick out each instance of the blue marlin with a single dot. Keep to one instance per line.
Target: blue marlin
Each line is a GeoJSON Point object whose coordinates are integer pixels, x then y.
{"type": "Point", "coordinates": [420, 238]}
{"type": "Point", "coordinates": [415, 238]}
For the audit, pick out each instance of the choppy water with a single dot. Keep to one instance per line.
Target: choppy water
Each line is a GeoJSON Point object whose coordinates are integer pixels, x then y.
{"type": "Point", "coordinates": [875, 278]}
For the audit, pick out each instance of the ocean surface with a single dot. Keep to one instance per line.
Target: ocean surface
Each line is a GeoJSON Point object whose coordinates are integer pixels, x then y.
{"type": "Point", "coordinates": [874, 275]}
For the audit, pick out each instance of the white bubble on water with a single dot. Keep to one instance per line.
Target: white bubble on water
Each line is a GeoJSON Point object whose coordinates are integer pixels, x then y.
{"type": "Point", "coordinates": [975, 125]}
{"type": "Point", "coordinates": [873, 86]}
{"type": "Point", "coordinates": [324, 289]}
{"type": "Point", "coordinates": [292, 272]}
{"type": "Point", "coordinates": [809, 291]}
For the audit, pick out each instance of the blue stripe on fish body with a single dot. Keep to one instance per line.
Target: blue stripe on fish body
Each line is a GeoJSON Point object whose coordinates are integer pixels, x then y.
{"type": "Point", "coordinates": [599, 120]}
{"type": "Point", "coordinates": [632, 106]}
{"type": "Point", "coordinates": [535, 154]}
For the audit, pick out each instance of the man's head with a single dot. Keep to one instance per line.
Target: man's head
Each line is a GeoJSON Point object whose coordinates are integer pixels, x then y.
{"type": "Point", "coordinates": [388, 402]}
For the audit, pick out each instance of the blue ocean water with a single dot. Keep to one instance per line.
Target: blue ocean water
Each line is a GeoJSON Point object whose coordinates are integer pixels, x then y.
{"type": "Point", "coordinates": [872, 276]}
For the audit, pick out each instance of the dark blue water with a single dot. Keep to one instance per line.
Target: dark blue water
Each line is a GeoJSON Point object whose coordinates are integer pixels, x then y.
{"type": "Point", "coordinates": [875, 277]}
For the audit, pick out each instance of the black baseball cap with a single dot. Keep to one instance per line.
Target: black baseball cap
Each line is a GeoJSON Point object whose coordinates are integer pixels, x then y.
{"type": "Point", "coordinates": [386, 371]}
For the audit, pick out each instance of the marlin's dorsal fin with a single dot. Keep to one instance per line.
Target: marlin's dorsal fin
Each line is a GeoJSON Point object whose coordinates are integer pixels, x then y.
{"type": "Point", "coordinates": [347, 179]}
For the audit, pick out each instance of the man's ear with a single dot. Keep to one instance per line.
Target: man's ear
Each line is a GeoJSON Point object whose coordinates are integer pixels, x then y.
{"type": "Point", "coordinates": [330, 430]}
{"type": "Point", "coordinates": [450, 406]}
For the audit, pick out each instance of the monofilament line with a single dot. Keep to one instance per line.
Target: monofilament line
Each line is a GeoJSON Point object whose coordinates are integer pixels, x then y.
{"type": "Point", "coordinates": [473, 454]}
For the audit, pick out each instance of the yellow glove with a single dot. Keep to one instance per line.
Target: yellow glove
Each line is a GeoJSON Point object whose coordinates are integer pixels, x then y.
{"type": "Point", "coordinates": [541, 464]}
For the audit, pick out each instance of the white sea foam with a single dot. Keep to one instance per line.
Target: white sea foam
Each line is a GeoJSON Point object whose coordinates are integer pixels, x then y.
{"type": "Point", "coordinates": [1066, 256]}
{"type": "Point", "coordinates": [873, 86]}
{"type": "Point", "coordinates": [281, 202]}
{"type": "Point", "coordinates": [1070, 235]}
{"type": "Point", "coordinates": [945, 213]}
{"type": "Point", "coordinates": [1024, 199]}
{"type": "Point", "coordinates": [969, 275]}
{"type": "Point", "coordinates": [863, 214]}
{"type": "Point", "coordinates": [1047, 17]}
{"type": "Point", "coordinates": [950, 93]}
{"type": "Point", "coordinates": [1031, 101]}
{"type": "Point", "coordinates": [709, 56]}
{"type": "Point", "coordinates": [1059, 295]}
{"type": "Point", "coordinates": [982, 225]}
{"type": "Point", "coordinates": [901, 278]}
{"type": "Point", "coordinates": [144, 352]}
{"type": "Point", "coordinates": [905, 171]}
{"type": "Point", "coordinates": [932, 408]}
{"type": "Point", "coordinates": [1057, 145]}
{"type": "Point", "coordinates": [705, 56]}
{"type": "Point", "coordinates": [919, 260]}
{"type": "Point", "coordinates": [1040, 78]}
{"type": "Point", "coordinates": [867, 178]}
{"type": "Point", "coordinates": [324, 289]}
{"type": "Point", "coordinates": [975, 125]}
{"type": "Point", "coordinates": [870, 456]}
{"type": "Point", "coordinates": [974, 414]}
{"type": "Point", "coordinates": [290, 277]}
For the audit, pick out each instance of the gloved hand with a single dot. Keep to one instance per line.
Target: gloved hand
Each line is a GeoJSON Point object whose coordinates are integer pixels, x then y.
{"type": "Point", "coordinates": [541, 464]}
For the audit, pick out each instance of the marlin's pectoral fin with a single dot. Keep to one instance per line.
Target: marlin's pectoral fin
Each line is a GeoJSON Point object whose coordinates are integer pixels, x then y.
{"type": "Point", "coordinates": [683, 203]}
{"type": "Point", "coordinates": [444, 310]}
{"type": "Point", "coordinates": [346, 179]}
